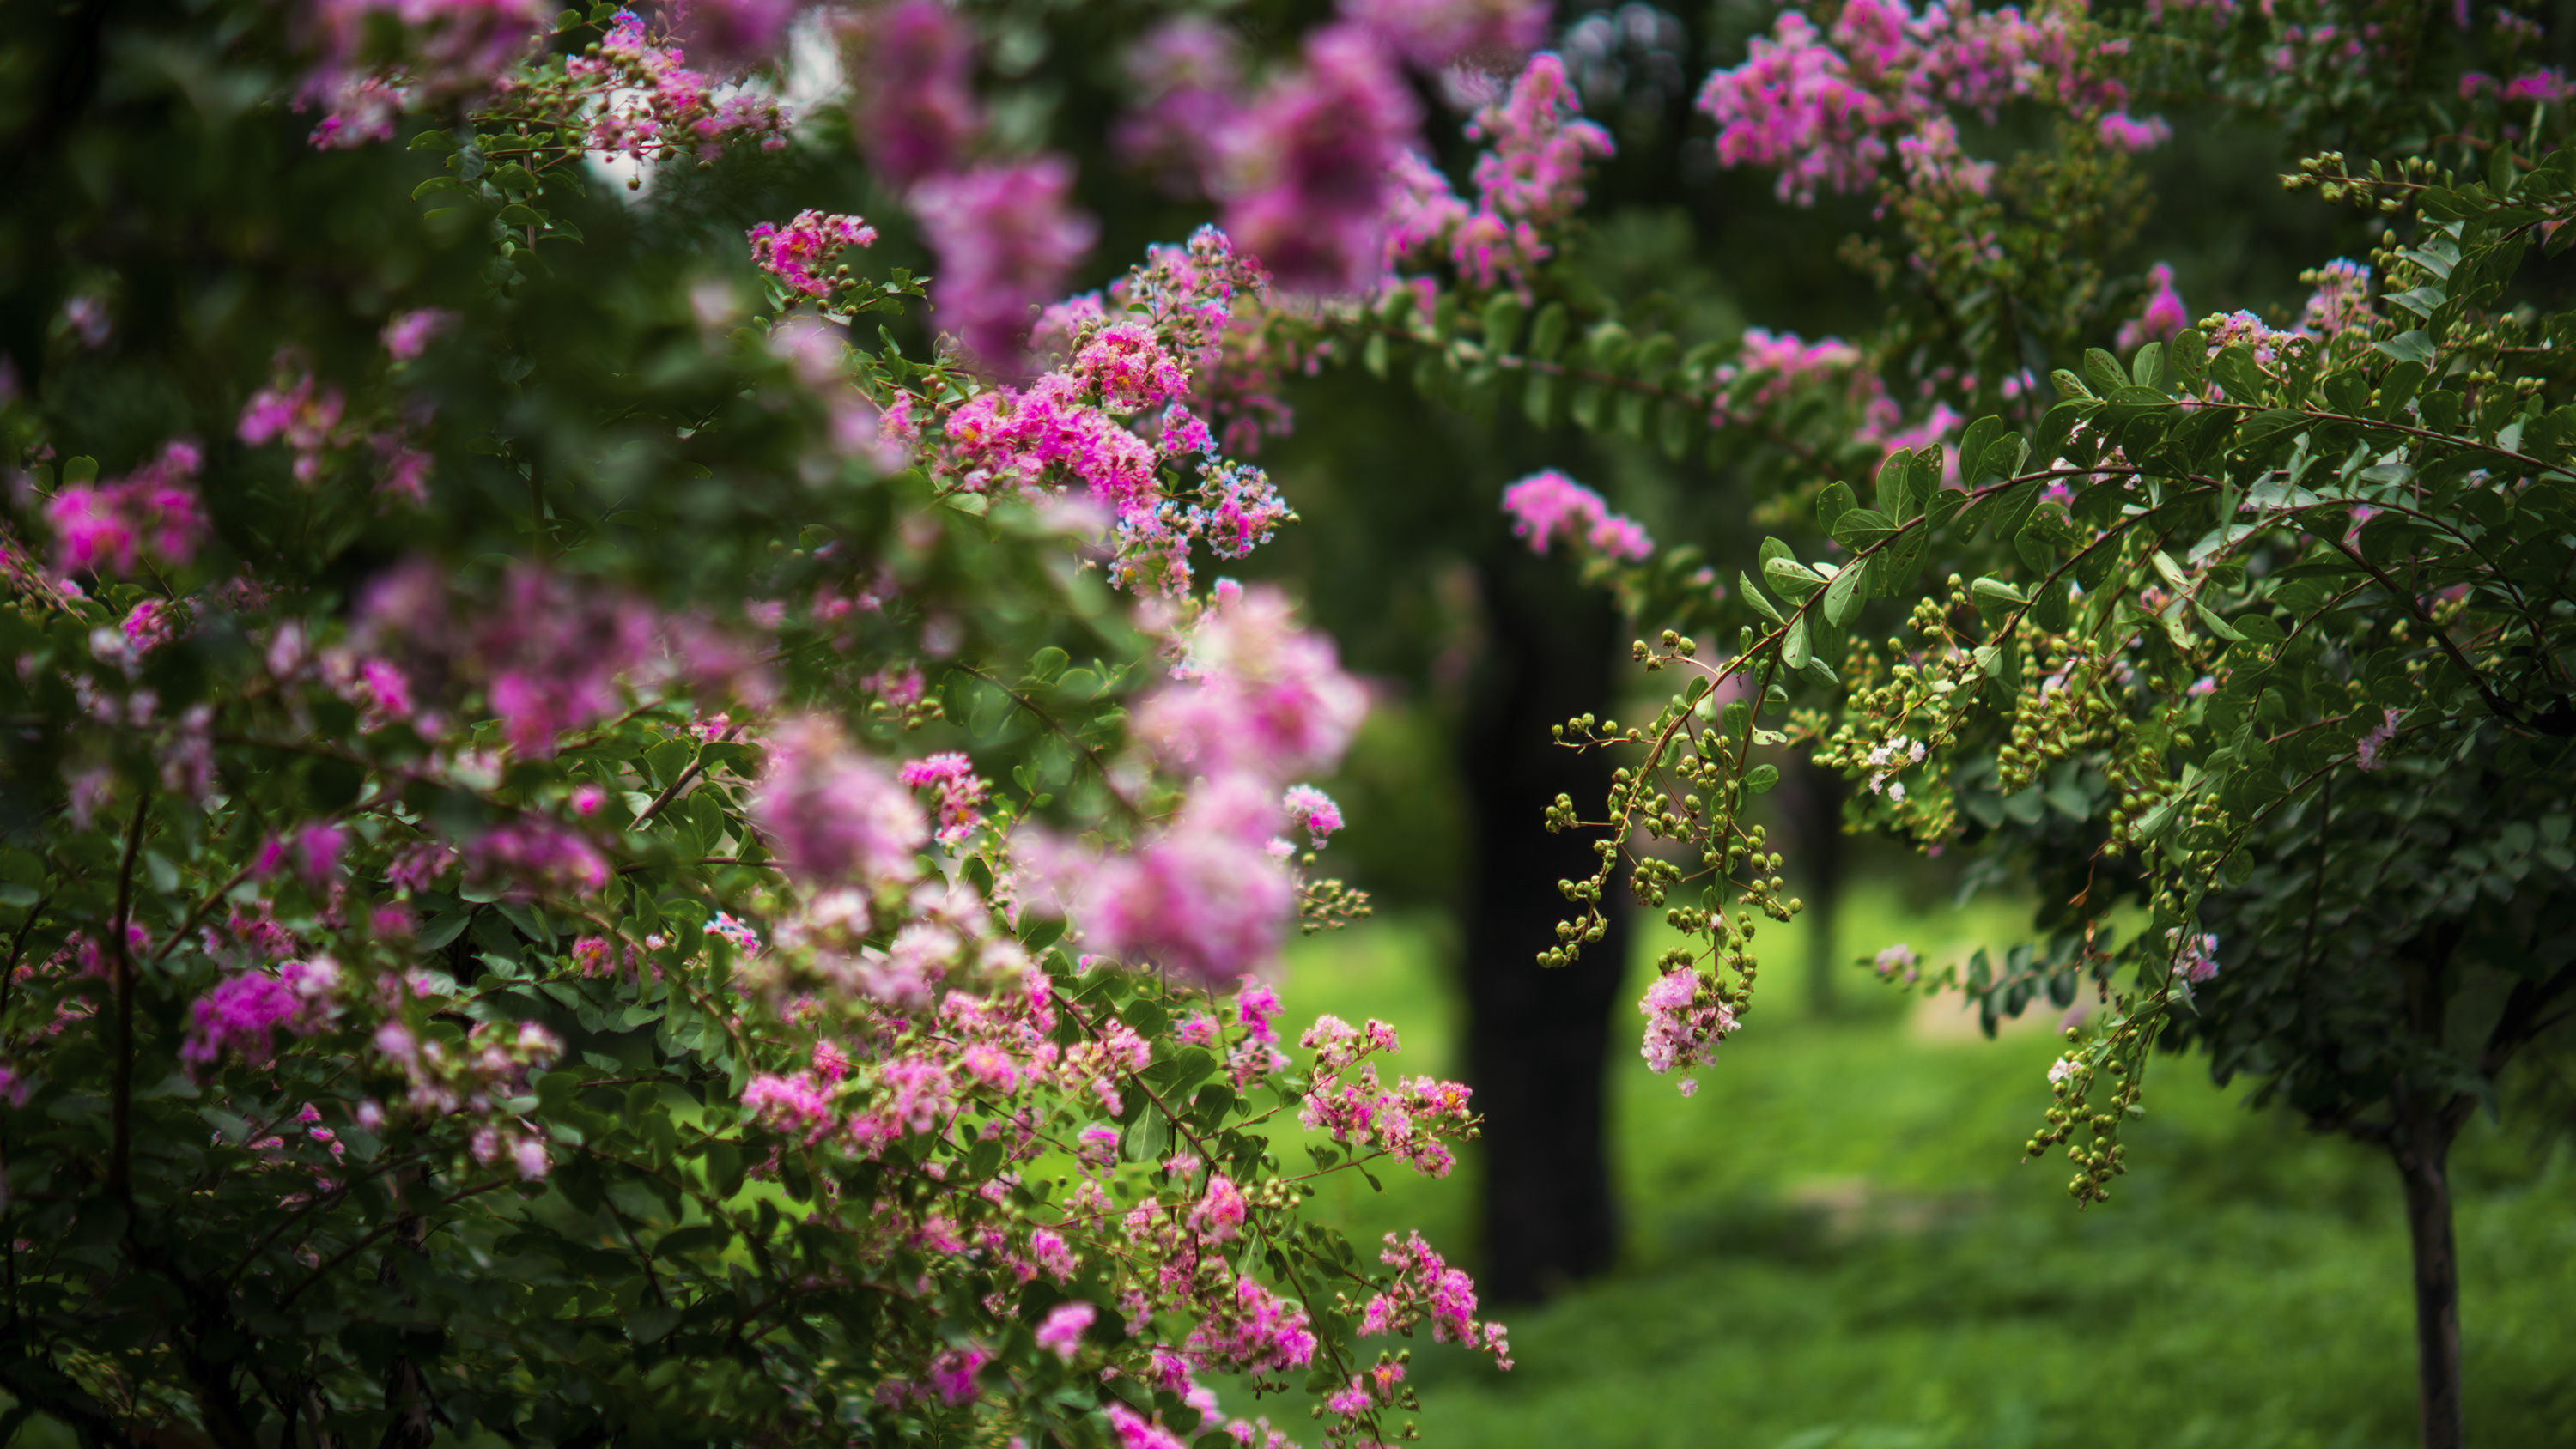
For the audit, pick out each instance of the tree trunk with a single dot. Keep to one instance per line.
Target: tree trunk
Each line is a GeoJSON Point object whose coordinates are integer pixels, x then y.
{"type": "Point", "coordinates": [1811, 808]}
{"type": "Point", "coordinates": [2421, 1143]}
{"type": "Point", "coordinates": [1537, 1038]}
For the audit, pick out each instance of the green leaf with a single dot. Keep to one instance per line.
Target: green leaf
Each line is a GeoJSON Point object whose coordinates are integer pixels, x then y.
{"type": "Point", "coordinates": [1547, 335]}
{"type": "Point", "coordinates": [1861, 527]}
{"type": "Point", "coordinates": [1745, 589]}
{"type": "Point", "coordinates": [1793, 579]}
{"type": "Point", "coordinates": [2148, 367]}
{"type": "Point", "coordinates": [2217, 625]}
{"type": "Point", "coordinates": [1832, 503]}
{"type": "Point", "coordinates": [1979, 437]}
{"type": "Point", "coordinates": [1761, 778]}
{"type": "Point", "coordinates": [1148, 1137]}
{"type": "Point", "coordinates": [1503, 318]}
{"type": "Point", "coordinates": [2013, 508]}
{"type": "Point", "coordinates": [2412, 346]}
{"type": "Point", "coordinates": [1793, 647]}
{"type": "Point", "coordinates": [436, 184]}
{"type": "Point", "coordinates": [1842, 596]}
{"type": "Point", "coordinates": [432, 141]}
{"type": "Point", "coordinates": [2069, 386]}
{"type": "Point", "coordinates": [1997, 589]}
{"type": "Point", "coordinates": [2104, 372]}
{"type": "Point", "coordinates": [2236, 371]}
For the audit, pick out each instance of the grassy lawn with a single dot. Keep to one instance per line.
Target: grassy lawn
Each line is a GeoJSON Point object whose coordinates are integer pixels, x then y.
{"type": "Point", "coordinates": [1834, 1246]}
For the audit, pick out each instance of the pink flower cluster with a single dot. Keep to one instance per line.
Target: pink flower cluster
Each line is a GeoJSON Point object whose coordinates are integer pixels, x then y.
{"type": "Point", "coordinates": [450, 50]}
{"type": "Point", "coordinates": [535, 853]}
{"type": "Point", "coordinates": [1313, 810]}
{"type": "Point", "coordinates": [832, 814]}
{"type": "Point", "coordinates": [1530, 175]}
{"type": "Point", "coordinates": [639, 98]}
{"type": "Point", "coordinates": [797, 253]}
{"type": "Point", "coordinates": [916, 110]}
{"type": "Point", "coordinates": [1414, 1121]}
{"type": "Point", "coordinates": [1425, 1287]}
{"type": "Point", "coordinates": [1187, 71]}
{"type": "Point", "coordinates": [153, 512]}
{"type": "Point", "coordinates": [244, 1013]}
{"type": "Point", "coordinates": [1076, 423]}
{"type": "Point", "coordinates": [956, 787]}
{"type": "Point", "coordinates": [1548, 505]}
{"type": "Point", "coordinates": [1256, 701]}
{"type": "Point", "coordinates": [1006, 232]}
{"type": "Point", "coordinates": [1488, 35]}
{"type": "Point", "coordinates": [1304, 167]}
{"type": "Point", "coordinates": [1684, 1023]}
{"type": "Point", "coordinates": [2164, 315]}
{"type": "Point", "coordinates": [295, 411]}
{"type": "Point", "coordinates": [1828, 107]}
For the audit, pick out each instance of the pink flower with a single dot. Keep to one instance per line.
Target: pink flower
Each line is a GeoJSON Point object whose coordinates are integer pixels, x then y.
{"type": "Point", "coordinates": [2163, 317]}
{"type": "Point", "coordinates": [917, 109]}
{"type": "Point", "coordinates": [244, 1013]}
{"type": "Point", "coordinates": [317, 854]}
{"type": "Point", "coordinates": [1135, 1431]}
{"type": "Point", "coordinates": [795, 1105]}
{"type": "Point", "coordinates": [408, 335]}
{"type": "Point", "coordinates": [153, 511]}
{"type": "Point", "coordinates": [952, 1373]}
{"type": "Point", "coordinates": [1256, 1006]}
{"type": "Point", "coordinates": [2368, 753]}
{"type": "Point", "coordinates": [536, 854]}
{"type": "Point", "coordinates": [958, 789]}
{"type": "Point", "coordinates": [1487, 34]}
{"type": "Point", "coordinates": [731, 34]}
{"type": "Point", "coordinates": [1684, 1022]}
{"type": "Point", "coordinates": [834, 816]}
{"type": "Point", "coordinates": [798, 253]}
{"type": "Point", "coordinates": [1061, 1331]}
{"type": "Point", "coordinates": [1220, 1213]}
{"type": "Point", "coordinates": [1258, 694]}
{"type": "Point", "coordinates": [1306, 166]}
{"type": "Point", "coordinates": [1048, 1250]}
{"type": "Point", "coordinates": [1202, 900]}
{"type": "Point", "coordinates": [555, 648]}
{"type": "Point", "coordinates": [1187, 74]}
{"type": "Point", "coordinates": [1006, 235]}
{"type": "Point", "coordinates": [1313, 809]}
{"type": "Point", "coordinates": [1548, 504]}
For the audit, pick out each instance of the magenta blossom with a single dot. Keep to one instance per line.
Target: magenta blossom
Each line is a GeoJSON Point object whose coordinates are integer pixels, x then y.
{"type": "Point", "coordinates": [153, 512]}
{"type": "Point", "coordinates": [834, 816]}
{"type": "Point", "coordinates": [1548, 505]}
{"type": "Point", "coordinates": [798, 253]}
{"type": "Point", "coordinates": [1307, 165]}
{"type": "Point", "coordinates": [2163, 317]}
{"type": "Point", "coordinates": [1006, 234]}
{"type": "Point", "coordinates": [917, 109]}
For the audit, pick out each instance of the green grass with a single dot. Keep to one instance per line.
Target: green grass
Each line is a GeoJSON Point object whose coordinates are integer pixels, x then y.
{"type": "Point", "coordinates": [1834, 1246]}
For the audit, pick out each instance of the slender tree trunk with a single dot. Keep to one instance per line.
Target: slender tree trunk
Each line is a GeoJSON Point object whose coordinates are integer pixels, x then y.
{"type": "Point", "coordinates": [2421, 1144]}
{"type": "Point", "coordinates": [1812, 809]}
{"type": "Point", "coordinates": [1537, 1038]}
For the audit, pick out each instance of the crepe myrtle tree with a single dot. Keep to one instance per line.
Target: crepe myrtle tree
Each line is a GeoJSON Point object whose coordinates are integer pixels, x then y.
{"type": "Point", "coordinates": [2264, 631]}
{"type": "Point", "coordinates": [599, 850]}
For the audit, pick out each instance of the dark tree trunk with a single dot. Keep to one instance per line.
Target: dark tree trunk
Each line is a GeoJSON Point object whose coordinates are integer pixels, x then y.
{"type": "Point", "coordinates": [1811, 807]}
{"type": "Point", "coordinates": [2421, 1144]}
{"type": "Point", "coordinates": [1537, 1037]}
